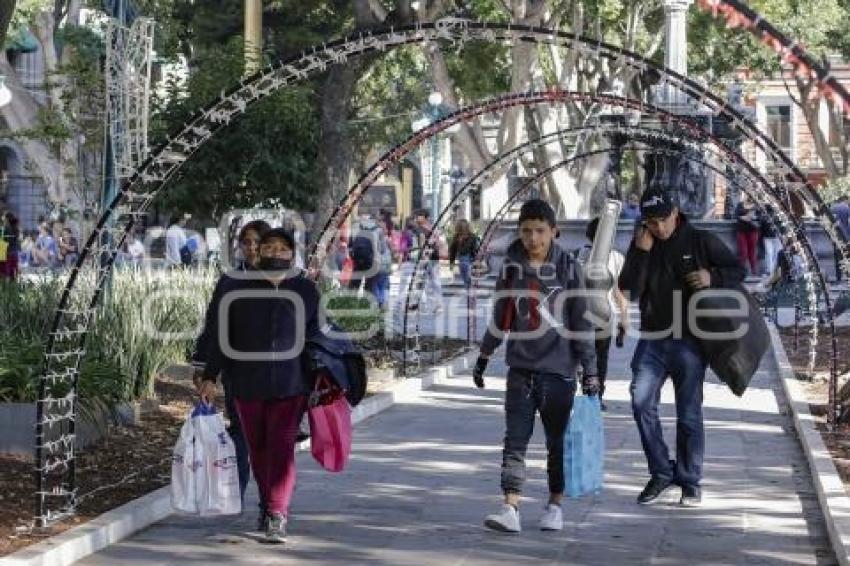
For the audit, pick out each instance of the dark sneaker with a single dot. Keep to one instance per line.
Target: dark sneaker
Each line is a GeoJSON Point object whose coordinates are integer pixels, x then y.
{"type": "Point", "coordinates": [276, 529]}
{"type": "Point", "coordinates": [654, 489]}
{"type": "Point", "coordinates": [691, 496]}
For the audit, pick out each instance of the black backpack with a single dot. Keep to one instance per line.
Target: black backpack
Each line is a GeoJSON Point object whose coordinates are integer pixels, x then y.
{"type": "Point", "coordinates": [362, 253]}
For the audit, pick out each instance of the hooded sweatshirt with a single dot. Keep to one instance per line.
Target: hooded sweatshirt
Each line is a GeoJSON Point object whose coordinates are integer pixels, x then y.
{"type": "Point", "coordinates": [548, 350]}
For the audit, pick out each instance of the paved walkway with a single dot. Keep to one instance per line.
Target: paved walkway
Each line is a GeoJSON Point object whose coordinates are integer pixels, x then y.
{"type": "Point", "coordinates": [425, 472]}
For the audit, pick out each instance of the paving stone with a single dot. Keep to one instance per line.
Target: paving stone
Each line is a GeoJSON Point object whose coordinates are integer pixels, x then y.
{"type": "Point", "coordinates": [425, 472]}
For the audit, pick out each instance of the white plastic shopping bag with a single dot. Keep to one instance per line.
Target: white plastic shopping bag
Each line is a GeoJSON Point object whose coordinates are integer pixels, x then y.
{"type": "Point", "coordinates": [217, 492]}
{"type": "Point", "coordinates": [205, 479]}
{"type": "Point", "coordinates": [183, 470]}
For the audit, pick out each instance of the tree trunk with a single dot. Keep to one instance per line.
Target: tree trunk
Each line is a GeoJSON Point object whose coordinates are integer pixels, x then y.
{"type": "Point", "coordinates": [810, 106]}
{"type": "Point", "coordinates": [7, 8]}
{"type": "Point", "coordinates": [335, 149]}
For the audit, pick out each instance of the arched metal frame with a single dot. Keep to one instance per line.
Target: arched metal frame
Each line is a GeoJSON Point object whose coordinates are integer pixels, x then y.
{"type": "Point", "coordinates": [65, 349]}
{"type": "Point", "coordinates": [802, 188]}
{"type": "Point", "coordinates": [738, 14]}
{"type": "Point", "coordinates": [692, 129]}
{"type": "Point", "coordinates": [530, 183]}
{"type": "Point", "coordinates": [644, 135]}
{"type": "Point", "coordinates": [789, 237]}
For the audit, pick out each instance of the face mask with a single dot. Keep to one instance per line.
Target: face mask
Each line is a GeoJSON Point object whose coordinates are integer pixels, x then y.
{"type": "Point", "coordinates": [275, 264]}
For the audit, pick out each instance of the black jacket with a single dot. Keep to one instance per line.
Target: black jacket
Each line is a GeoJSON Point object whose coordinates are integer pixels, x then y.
{"type": "Point", "coordinates": [330, 349]}
{"type": "Point", "coordinates": [466, 247]}
{"type": "Point", "coordinates": [745, 224]}
{"type": "Point", "coordinates": [262, 345]}
{"type": "Point", "coordinates": [200, 354]}
{"type": "Point", "coordinates": [652, 277]}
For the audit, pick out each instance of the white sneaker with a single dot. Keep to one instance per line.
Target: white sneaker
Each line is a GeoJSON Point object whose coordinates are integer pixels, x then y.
{"type": "Point", "coordinates": [506, 520]}
{"type": "Point", "coordinates": [552, 519]}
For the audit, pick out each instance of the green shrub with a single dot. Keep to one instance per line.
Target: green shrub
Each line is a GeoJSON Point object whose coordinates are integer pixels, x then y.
{"type": "Point", "coordinates": [353, 314]}
{"type": "Point", "coordinates": [123, 357]}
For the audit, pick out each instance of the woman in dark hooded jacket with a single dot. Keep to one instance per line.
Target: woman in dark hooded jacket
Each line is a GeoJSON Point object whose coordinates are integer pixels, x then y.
{"type": "Point", "coordinates": [261, 326]}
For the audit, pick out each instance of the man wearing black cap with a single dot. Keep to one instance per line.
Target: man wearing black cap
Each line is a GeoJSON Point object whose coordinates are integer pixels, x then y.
{"type": "Point", "coordinates": [667, 262]}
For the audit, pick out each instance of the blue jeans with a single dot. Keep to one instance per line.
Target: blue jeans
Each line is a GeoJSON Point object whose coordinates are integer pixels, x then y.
{"type": "Point", "coordinates": [464, 262]}
{"type": "Point", "coordinates": [529, 392]}
{"type": "Point", "coordinates": [653, 361]}
{"type": "Point", "coordinates": [243, 463]}
{"type": "Point", "coordinates": [379, 286]}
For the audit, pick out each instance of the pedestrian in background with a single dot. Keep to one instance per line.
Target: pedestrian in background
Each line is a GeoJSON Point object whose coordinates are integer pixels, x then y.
{"type": "Point", "coordinates": [841, 211]}
{"type": "Point", "coordinates": [747, 234]}
{"type": "Point", "coordinates": [175, 240]}
{"type": "Point", "coordinates": [770, 238]}
{"type": "Point", "coordinates": [10, 234]}
{"type": "Point", "coordinates": [463, 249]}
{"type": "Point", "coordinates": [69, 249]}
{"type": "Point", "coordinates": [617, 302]}
{"type": "Point", "coordinates": [45, 252]}
{"type": "Point", "coordinates": [425, 233]}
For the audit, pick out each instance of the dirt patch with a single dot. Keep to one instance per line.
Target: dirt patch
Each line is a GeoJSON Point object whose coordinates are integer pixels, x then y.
{"type": "Point", "coordinates": [128, 463]}
{"type": "Point", "coordinates": [132, 461]}
{"type": "Point", "coordinates": [815, 381]}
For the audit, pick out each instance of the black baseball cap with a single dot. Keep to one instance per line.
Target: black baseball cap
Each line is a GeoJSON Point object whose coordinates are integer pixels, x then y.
{"type": "Point", "coordinates": [279, 233]}
{"type": "Point", "coordinates": [656, 203]}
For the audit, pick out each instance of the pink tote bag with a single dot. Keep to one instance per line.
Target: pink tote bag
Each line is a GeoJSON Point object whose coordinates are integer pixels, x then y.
{"type": "Point", "coordinates": [330, 432]}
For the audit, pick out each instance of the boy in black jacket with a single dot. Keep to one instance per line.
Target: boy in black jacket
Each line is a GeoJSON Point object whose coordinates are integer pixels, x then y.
{"type": "Point", "coordinates": [548, 338]}
{"type": "Point", "coordinates": [667, 262]}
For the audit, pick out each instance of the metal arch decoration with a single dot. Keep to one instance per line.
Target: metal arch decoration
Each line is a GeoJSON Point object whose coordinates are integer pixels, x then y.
{"type": "Point", "coordinates": [65, 348]}
{"type": "Point", "coordinates": [801, 187]}
{"type": "Point", "coordinates": [397, 153]}
{"type": "Point", "coordinates": [636, 133]}
{"type": "Point", "coordinates": [738, 14]}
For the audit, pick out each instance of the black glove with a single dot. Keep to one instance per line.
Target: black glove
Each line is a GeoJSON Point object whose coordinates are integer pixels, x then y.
{"type": "Point", "coordinates": [590, 385]}
{"type": "Point", "coordinates": [478, 372]}
{"type": "Point", "coordinates": [621, 334]}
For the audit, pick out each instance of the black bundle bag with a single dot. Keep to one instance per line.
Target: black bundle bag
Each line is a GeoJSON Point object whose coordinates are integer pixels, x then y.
{"type": "Point", "coordinates": [331, 351]}
{"type": "Point", "coordinates": [734, 360]}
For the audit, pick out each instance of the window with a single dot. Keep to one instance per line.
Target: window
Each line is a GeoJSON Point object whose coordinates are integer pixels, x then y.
{"type": "Point", "coordinates": [779, 125]}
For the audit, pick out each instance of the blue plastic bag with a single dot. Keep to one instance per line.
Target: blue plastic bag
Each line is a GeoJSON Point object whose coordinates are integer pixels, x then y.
{"type": "Point", "coordinates": [584, 447]}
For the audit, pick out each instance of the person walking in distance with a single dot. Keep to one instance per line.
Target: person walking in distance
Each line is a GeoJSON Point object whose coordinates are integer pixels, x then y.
{"type": "Point", "coordinates": [747, 233]}
{"type": "Point", "coordinates": [548, 337]}
{"type": "Point", "coordinates": [175, 239]}
{"type": "Point", "coordinates": [667, 262]}
{"type": "Point", "coordinates": [425, 232]}
{"type": "Point", "coordinates": [463, 248]}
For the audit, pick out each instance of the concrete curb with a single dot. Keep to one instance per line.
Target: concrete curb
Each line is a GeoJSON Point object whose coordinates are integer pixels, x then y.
{"type": "Point", "coordinates": [115, 525]}
{"type": "Point", "coordinates": [832, 497]}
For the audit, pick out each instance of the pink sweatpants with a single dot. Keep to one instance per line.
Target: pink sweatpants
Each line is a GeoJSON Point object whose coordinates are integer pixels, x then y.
{"type": "Point", "coordinates": [748, 249]}
{"type": "Point", "coordinates": [270, 427]}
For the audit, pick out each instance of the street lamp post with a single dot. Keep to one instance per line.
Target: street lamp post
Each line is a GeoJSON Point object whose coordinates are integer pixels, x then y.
{"type": "Point", "coordinates": [433, 112]}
